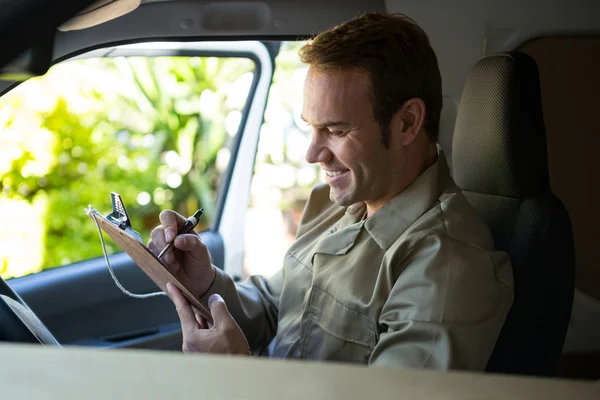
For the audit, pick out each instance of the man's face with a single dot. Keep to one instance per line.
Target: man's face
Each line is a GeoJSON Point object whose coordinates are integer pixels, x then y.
{"type": "Point", "coordinates": [346, 138]}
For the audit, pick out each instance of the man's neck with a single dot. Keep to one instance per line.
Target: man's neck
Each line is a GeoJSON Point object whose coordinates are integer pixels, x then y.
{"type": "Point", "coordinates": [427, 161]}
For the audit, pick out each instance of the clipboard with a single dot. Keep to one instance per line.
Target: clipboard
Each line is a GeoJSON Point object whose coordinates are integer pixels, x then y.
{"type": "Point", "coordinates": [118, 226]}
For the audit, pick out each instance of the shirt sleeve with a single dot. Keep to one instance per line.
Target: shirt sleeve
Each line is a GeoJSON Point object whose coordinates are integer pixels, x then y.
{"type": "Point", "coordinates": [254, 304]}
{"type": "Point", "coordinates": [447, 307]}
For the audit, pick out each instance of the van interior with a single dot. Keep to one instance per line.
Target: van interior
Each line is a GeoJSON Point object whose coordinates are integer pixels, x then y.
{"type": "Point", "coordinates": [136, 79]}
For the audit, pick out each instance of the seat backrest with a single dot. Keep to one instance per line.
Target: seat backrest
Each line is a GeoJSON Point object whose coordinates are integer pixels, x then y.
{"type": "Point", "coordinates": [500, 163]}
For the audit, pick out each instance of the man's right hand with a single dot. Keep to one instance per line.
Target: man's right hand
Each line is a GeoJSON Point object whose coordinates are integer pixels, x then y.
{"type": "Point", "coordinates": [188, 259]}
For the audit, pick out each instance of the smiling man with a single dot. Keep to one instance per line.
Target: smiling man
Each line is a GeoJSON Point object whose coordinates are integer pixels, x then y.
{"type": "Point", "coordinates": [391, 266]}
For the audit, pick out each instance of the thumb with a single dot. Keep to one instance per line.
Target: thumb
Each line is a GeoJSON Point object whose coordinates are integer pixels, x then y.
{"type": "Point", "coordinates": [171, 221]}
{"type": "Point", "coordinates": [219, 311]}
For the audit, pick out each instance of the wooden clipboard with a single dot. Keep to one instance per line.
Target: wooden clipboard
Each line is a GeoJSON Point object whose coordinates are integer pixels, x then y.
{"type": "Point", "coordinates": [147, 261]}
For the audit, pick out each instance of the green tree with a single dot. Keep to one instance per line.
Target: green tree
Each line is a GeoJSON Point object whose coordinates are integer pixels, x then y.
{"type": "Point", "coordinates": [149, 141]}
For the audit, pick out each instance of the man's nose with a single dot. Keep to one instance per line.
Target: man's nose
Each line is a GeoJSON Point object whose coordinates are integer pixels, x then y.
{"type": "Point", "coordinates": [318, 152]}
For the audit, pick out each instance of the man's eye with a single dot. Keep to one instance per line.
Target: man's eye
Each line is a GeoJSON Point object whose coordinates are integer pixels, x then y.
{"type": "Point", "coordinates": [336, 133]}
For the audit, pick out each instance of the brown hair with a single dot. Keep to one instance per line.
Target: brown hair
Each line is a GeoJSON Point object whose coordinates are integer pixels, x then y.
{"type": "Point", "coordinates": [396, 55]}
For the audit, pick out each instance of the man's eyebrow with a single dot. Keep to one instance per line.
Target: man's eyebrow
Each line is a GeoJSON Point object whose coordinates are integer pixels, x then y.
{"type": "Point", "coordinates": [327, 123]}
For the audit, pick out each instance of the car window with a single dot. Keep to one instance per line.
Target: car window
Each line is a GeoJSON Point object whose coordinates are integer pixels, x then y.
{"type": "Point", "coordinates": [282, 178]}
{"type": "Point", "coordinates": [156, 130]}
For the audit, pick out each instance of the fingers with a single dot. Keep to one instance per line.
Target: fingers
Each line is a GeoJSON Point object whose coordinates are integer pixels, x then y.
{"type": "Point", "coordinates": [184, 310]}
{"type": "Point", "coordinates": [192, 244]}
{"type": "Point", "coordinates": [224, 337]}
{"type": "Point", "coordinates": [200, 319]}
{"type": "Point", "coordinates": [204, 324]}
{"type": "Point", "coordinates": [167, 232]}
{"type": "Point", "coordinates": [158, 242]}
{"type": "Point", "coordinates": [171, 222]}
{"type": "Point", "coordinates": [152, 246]}
{"type": "Point", "coordinates": [157, 239]}
{"type": "Point", "coordinates": [219, 311]}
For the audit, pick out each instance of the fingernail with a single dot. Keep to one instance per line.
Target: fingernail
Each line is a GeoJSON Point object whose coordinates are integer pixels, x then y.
{"type": "Point", "coordinates": [169, 235]}
{"type": "Point", "coordinates": [169, 286]}
{"type": "Point", "coordinates": [213, 298]}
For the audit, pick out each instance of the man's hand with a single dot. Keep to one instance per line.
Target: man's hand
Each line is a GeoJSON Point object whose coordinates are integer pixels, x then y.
{"type": "Point", "coordinates": [188, 259]}
{"type": "Point", "coordinates": [223, 337]}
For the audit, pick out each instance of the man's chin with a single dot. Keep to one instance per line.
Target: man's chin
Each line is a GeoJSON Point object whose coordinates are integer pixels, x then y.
{"type": "Point", "coordinates": [341, 199]}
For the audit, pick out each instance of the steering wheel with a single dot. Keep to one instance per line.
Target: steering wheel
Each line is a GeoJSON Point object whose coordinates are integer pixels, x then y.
{"type": "Point", "coordinates": [18, 323]}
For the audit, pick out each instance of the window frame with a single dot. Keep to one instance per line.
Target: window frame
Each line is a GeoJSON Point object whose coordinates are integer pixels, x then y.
{"type": "Point", "coordinates": [230, 207]}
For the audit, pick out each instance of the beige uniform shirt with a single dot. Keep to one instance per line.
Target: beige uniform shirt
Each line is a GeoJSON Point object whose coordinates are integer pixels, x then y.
{"type": "Point", "coordinates": [417, 284]}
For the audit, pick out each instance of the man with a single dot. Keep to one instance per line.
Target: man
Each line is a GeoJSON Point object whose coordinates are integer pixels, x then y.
{"type": "Point", "coordinates": [391, 266]}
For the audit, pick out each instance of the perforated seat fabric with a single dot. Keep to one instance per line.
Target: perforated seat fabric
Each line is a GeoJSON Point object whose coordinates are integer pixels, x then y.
{"type": "Point", "coordinates": [500, 163]}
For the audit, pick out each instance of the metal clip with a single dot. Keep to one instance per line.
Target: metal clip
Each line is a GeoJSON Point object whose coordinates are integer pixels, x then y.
{"type": "Point", "coordinates": [119, 216]}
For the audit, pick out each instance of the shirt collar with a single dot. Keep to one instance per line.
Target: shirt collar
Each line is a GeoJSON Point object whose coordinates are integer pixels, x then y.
{"type": "Point", "coordinates": [341, 237]}
{"type": "Point", "coordinates": [389, 222]}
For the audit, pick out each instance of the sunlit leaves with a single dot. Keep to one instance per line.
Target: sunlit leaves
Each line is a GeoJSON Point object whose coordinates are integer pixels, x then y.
{"type": "Point", "coordinates": [133, 125]}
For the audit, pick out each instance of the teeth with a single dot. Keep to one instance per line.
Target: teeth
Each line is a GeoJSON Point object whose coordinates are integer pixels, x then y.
{"type": "Point", "coordinates": [333, 173]}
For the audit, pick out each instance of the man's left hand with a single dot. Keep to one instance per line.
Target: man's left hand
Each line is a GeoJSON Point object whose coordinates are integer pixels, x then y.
{"type": "Point", "coordinates": [223, 336]}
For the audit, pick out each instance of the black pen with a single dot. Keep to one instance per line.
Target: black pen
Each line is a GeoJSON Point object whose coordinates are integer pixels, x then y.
{"type": "Point", "coordinates": [190, 224]}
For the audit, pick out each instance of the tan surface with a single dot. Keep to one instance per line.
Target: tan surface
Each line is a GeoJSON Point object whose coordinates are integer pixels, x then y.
{"type": "Point", "coordinates": [148, 262]}
{"type": "Point", "coordinates": [34, 372]}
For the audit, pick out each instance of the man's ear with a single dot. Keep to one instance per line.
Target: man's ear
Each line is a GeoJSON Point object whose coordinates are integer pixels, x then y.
{"type": "Point", "coordinates": [408, 121]}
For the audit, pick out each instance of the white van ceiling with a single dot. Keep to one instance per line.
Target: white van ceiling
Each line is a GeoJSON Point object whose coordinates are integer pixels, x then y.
{"type": "Point", "coordinates": [160, 20]}
{"type": "Point", "coordinates": [461, 31]}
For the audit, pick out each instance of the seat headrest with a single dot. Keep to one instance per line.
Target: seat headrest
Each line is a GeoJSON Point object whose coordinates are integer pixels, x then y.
{"type": "Point", "coordinates": [499, 143]}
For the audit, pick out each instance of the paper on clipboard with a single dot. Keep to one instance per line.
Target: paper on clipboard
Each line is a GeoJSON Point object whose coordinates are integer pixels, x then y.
{"type": "Point", "coordinates": [147, 261]}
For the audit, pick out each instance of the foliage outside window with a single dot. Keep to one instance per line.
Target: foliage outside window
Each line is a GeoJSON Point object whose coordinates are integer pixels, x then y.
{"type": "Point", "coordinates": [156, 130]}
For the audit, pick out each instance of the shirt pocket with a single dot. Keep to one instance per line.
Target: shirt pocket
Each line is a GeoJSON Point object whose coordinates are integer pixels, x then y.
{"type": "Point", "coordinates": [335, 332]}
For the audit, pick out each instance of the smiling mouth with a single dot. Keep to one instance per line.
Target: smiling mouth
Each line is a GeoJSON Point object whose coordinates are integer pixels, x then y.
{"type": "Point", "coordinates": [335, 173]}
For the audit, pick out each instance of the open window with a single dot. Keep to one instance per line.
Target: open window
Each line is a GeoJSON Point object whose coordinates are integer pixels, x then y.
{"type": "Point", "coordinates": [159, 128]}
{"type": "Point", "coordinates": [167, 125]}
